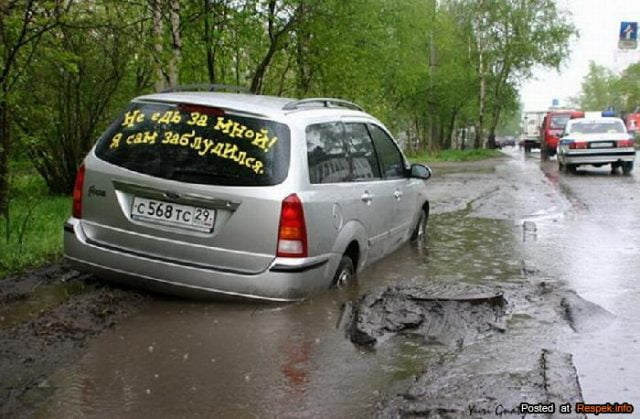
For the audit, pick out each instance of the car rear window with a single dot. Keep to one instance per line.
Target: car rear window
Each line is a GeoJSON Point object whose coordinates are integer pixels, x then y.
{"type": "Point", "coordinates": [197, 144]}
{"type": "Point", "coordinates": [606, 127]}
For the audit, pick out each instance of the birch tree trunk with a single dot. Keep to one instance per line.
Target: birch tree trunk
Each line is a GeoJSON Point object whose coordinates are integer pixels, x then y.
{"type": "Point", "coordinates": [176, 43]}
{"type": "Point", "coordinates": [158, 27]}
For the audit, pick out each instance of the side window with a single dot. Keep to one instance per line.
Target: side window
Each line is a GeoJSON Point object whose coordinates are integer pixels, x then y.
{"type": "Point", "coordinates": [391, 162]}
{"type": "Point", "coordinates": [327, 153]}
{"type": "Point", "coordinates": [364, 163]}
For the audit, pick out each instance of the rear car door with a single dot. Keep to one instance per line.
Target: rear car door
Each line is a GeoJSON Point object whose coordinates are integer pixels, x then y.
{"type": "Point", "coordinates": [340, 193]}
{"type": "Point", "coordinates": [401, 189]}
{"type": "Point", "coordinates": [376, 203]}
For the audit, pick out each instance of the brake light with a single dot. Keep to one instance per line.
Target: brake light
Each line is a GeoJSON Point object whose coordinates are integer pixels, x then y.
{"type": "Point", "coordinates": [204, 110]}
{"type": "Point", "coordinates": [625, 143]}
{"type": "Point", "coordinates": [292, 233]}
{"type": "Point", "coordinates": [76, 210]}
{"type": "Point", "coordinates": [578, 145]}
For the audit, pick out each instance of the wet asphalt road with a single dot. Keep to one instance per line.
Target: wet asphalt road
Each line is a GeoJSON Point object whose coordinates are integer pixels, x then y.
{"type": "Point", "coordinates": [185, 359]}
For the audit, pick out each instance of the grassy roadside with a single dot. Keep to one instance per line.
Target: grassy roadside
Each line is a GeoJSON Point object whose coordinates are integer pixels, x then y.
{"type": "Point", "coordinates": [34, 235]}
{"type": "Point", "coordinates": [454, 155]}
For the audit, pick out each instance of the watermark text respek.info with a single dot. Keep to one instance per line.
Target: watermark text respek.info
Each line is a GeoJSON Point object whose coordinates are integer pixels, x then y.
{"type": "Point", "coordinates": [605, 409]}
{"type": "Point", "coordinates": [524, 409]}
{"type": "Point", "coordinates": [580, 407]}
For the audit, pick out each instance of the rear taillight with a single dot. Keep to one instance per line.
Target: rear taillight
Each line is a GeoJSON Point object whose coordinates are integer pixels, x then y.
{"type": "Point", "coordinates": [624, 143]}
{"type": "Point", "coordinates": [77, 193]}
{"type": "Point", "coordinates": [292, 233]}
{"type": "Point", "coordinates": [578, 145]}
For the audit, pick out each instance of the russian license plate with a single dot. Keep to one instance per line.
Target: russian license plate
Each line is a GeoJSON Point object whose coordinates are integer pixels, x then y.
{"type": "Point", "coordinates": [602, 144]}
{"type": "Point", "coordinates": [168, 213]}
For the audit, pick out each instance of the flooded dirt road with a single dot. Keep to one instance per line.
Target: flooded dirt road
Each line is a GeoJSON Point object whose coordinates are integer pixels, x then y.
{"type": "Point", "coordinates": [556, 255]}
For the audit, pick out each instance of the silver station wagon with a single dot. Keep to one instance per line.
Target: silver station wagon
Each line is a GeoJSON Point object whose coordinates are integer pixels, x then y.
{"type": "Point", "coordinates": [242, 195]}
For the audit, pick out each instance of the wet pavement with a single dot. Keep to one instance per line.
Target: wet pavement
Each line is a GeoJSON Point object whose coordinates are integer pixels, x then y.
{"type": "Point", "coordinates": [562, 250]}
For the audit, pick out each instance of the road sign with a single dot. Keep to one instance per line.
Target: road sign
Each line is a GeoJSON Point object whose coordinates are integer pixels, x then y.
{"type": "Point", "coordinates": [628, 35]}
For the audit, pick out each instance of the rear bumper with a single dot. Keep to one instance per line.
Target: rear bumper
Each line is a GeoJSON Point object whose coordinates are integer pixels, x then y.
{"type": "Point", "coordinates": [599, 157]}
{"type": "Point", "coordinates": [285, 279]}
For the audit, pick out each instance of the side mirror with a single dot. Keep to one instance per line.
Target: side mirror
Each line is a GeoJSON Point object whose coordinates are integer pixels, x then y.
{"type": "Point", "coordinates": [420, 171]}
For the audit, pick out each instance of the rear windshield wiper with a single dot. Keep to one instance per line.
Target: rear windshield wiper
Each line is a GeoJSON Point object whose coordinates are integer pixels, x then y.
{"type": "Point", "coordinates": [204, 173]}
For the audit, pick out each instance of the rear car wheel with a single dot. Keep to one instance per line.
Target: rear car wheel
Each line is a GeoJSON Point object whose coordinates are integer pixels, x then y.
{"type": "Point", "coordinates": [627, 167]}
{"type": "Point", "coordinates": [571, 168]}
{"type": "Point", "coordinates": [420, 231]}
{"type": "Point", "coordinates": [345, 274]}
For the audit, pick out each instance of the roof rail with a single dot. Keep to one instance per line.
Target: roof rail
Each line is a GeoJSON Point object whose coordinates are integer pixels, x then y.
{"type": "Point", "coordinates": [207, 88]}
{"type": "Point", "coordinates": [321, 102]}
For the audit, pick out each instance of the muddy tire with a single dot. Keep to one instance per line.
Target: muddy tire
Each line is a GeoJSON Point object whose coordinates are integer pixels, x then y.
{"type": "Point", "coordinates": [627, 167]}
{"type": "Point", "coordinates": [571, 168]}
{"type": "Point", "coordinates": [345, 274]}
{"type": "Point", "coordinates": [420, 231]}
{"type": "Point", "coordinates": [614, 167]}
{"type": "Point", "coordinates": [560, 165]}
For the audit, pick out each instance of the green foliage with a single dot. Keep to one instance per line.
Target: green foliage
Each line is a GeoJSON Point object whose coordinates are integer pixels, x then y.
{"type": "Point", "coordinates": [511, 123]}
{"type": "Point", "coordinates": [599, 89]}
{"type": "Point", "coordinates": [35, 227]}
{"type": "Point", "coordinates": [602, 88]}
{"type": "Point", "coordinates": [455, 155]}
{"type": "Point", "coordinates": [628, 88]}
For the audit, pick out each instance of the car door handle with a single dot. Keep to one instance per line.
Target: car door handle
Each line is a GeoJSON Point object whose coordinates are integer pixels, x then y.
{"type": "Point", "coordinates": [366, 197]}
{"type": "Point", "coordinates": [397, 195]}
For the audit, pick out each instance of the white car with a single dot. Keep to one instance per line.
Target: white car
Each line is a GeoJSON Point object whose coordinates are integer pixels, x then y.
{"type": "Point", "coordinates": [596, 141]}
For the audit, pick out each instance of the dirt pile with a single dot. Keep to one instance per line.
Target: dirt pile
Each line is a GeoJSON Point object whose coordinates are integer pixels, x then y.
{"type": "Point", "coordinates": [445, 315]}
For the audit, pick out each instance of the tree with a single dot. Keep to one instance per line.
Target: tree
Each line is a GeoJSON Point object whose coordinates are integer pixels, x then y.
{"type": "Point", "coordinates": [511, 38]}
{"type": "Point", "coordinates": [599, 89]}
{"type": "Point", "coordinates": [22, 26]}
{"type": "Point", "coordinates": [85, 70]}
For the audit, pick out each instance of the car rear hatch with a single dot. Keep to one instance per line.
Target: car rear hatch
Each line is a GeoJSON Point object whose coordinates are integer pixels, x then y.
{"type": "Point", "coordinates": [188, 184]}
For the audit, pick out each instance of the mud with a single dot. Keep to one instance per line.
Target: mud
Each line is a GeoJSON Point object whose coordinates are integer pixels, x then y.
{"type": "Point", "coordinates": [443, 392]}
{"type": "Point", "coordinates": [487, 362]}
{"type": "Point", "coordinates": [440, 315]}
{"type": "Point", "coordinates": [48, 316]}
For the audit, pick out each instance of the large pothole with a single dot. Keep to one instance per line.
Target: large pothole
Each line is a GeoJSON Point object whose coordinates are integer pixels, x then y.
{"type": "Point", "coordinates": [449, 315]}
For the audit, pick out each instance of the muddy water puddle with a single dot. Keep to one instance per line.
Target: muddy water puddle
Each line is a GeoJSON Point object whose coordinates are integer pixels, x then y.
{"type": "Point", "coordinates": [223, 359]}
{"type": "Point", "coordinates": [43, 297]}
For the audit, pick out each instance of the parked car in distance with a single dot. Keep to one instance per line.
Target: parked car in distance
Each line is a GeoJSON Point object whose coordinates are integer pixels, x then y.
{"type": "Point", "coordinates": [552, 127]}
{"type": "Point", "coordinates": [209, 193]}
{"type": "Point", "coordinates": [596, 141]}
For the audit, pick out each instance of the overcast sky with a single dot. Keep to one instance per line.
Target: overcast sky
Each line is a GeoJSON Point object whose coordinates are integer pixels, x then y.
{"type": "Point", "coordinates": [599, 24]}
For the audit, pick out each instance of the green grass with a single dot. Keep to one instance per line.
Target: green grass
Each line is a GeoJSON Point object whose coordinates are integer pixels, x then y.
{"type": "Point", "coordinates": [35, 226]}
{"type": "Point", "coordinates": [454, 155]}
